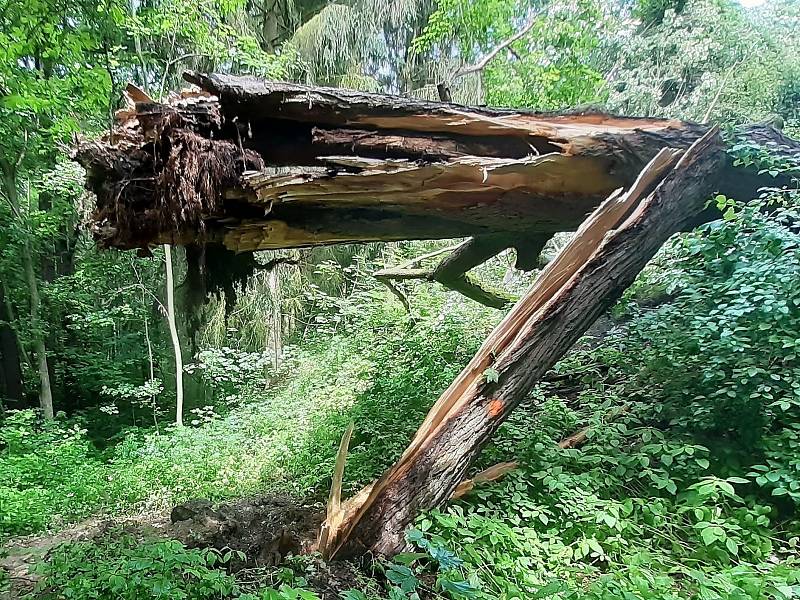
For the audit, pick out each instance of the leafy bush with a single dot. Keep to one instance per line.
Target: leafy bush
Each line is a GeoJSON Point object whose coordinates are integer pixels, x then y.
{"type": "Point", "coordinates": [724, 351]}
{"type": "Point", "coordinates": [573, 524]}
{"type": "Point", "coordinates": [231, 373]}
{"type": "Point", "coordinates": [129, 569]}
{"type": "Point", "coordinates": [48, 470]}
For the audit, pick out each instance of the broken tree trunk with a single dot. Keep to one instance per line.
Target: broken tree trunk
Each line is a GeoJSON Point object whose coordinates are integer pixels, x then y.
{"type": "Point", "coordinates": [452, 271]}
{"type": "Point", "coordinates": [246, 165]}
{"type": "Point", "coordinates": [258, 165]}
{"type": "Point", "coordinates": [603, 258]}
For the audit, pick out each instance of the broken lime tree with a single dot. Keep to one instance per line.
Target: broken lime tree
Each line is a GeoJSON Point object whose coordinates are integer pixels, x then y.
{"type": "Point", "coordinates": [245, 165]}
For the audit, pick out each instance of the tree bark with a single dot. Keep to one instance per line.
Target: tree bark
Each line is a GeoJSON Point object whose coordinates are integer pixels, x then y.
{"type": "Point", "coordinates": [258, 165]}
{"type": "Point", "coordinates": [585, 279]}
{"type": "Point", "coordinates": [262, 165]}
{"type": "Point", "coordinates": [276, 316]}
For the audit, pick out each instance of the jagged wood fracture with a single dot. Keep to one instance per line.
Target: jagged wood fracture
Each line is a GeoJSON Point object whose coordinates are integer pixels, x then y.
{"type": "Point", "coordinates": [257, 165]}
{"type": "Point", "coordinates": [586, 278]}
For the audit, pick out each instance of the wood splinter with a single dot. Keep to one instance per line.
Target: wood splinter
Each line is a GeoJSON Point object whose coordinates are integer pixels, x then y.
{"type": "Point", "coordinates": [589, 275]}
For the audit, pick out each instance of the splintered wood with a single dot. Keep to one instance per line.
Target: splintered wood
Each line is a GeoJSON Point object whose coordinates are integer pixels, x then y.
{"type": "Point", "coordinates": [589, 274]}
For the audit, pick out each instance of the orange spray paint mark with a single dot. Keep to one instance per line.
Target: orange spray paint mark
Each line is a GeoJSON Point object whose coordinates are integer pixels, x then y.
{"type": "Point", "coordinates": [495, 407]}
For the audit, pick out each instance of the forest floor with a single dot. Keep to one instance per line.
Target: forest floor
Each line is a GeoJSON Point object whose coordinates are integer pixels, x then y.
{"type": "Point", "coordinates": [265, 529]}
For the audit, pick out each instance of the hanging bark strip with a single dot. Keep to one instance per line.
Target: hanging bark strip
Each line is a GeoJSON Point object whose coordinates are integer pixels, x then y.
{"type": "Point", "coordinates": [592, 271]}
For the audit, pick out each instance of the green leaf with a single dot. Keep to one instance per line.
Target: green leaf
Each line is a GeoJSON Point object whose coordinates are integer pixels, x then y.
{"type": "Point", "coordinates": [459, 589]}
{"type": "Point", "coordinates": [406, 558]}
{"type": "Point", "coordinates": [551, 589]}
{"type": "Point", "coordinates": [739, 480]}
{"type": "Point", "coordinates": [732, 546]}
{"type": "Point", "coordinates": [708, 535]}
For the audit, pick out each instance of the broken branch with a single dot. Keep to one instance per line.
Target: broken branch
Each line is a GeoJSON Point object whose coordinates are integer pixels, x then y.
{"type": "Point", "coordinates": [451, 272]}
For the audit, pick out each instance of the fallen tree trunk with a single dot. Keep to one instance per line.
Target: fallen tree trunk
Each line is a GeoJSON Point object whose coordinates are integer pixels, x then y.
{"type": "Point", "coordinates": [246, 165]}
{"type": "Point", "coordinates": [260, 165]}
{"type": "Point", "coordinates": [603, 258]}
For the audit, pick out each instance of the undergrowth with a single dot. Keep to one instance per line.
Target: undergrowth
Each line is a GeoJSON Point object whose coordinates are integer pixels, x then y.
{"type": "Point", "coordinates": [283, 439]}
{"type": "Point", "coordinates": [687, 485]}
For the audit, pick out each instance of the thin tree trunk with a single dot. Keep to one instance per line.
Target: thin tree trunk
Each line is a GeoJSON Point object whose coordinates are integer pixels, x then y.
{"type": "Point", "coordinates": [277, 329]}
{"type": "Point", "coordinates": [150, 359]}
{"type": "Point", "coordinates": [35, 303]}
{"type": "Point", "coordinates": [39, 347]}
{"type": "Point", "coordinates": [176, 342]}
{"type": "Point", "coordinates": [585, 279]}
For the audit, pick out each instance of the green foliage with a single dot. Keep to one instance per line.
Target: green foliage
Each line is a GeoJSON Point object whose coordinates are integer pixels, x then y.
{"type": "Point", "coordinates": [773, 160]}
{"type": "Point", "coordinates": [552, 65]}
{"type": "Point", "coordinates": [573, 524]}
{"type": "Point", "coordinates": [230, 373]}
{"type": "Point", "coordinates": [48, 469]}
{"type": "Point", "coordinates": [705, 59]}
{"type": "Point", "coordinates": [121, 566]}
{"type": "Point", "coordinates": [128, 569]}
{"type": "Point", "coordinates": [725, 355]}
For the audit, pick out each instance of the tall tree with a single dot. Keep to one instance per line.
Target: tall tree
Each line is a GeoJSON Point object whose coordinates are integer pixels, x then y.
{"type": "Point", "coordinates": [47, 52]}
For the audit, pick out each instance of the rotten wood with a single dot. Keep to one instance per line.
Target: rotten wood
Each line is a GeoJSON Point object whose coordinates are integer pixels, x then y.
{"type": "Point", "coordinates": [576, 439]}
{"type": "Point", "coordinates": [589, 274]}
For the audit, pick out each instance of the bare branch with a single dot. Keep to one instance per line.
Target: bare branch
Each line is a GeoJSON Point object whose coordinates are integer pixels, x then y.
{"type": "Point", "coordinates": [481, 64]}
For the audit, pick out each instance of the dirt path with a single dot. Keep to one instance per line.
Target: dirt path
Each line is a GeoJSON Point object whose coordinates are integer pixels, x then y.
{"type": "Point", "coordinates": [19, 554]}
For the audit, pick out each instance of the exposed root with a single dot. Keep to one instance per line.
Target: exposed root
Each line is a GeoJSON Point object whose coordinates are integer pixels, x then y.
{"type": "Point", "coordinates": [154, 175]}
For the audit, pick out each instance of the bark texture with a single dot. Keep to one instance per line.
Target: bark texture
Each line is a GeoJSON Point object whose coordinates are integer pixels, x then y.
{"type": "Point", "coordinates": [590, 274]}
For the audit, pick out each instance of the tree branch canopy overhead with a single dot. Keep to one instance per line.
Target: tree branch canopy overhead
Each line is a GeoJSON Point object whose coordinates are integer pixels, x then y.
{"type": "Point", "coordinates": [256, 165]}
